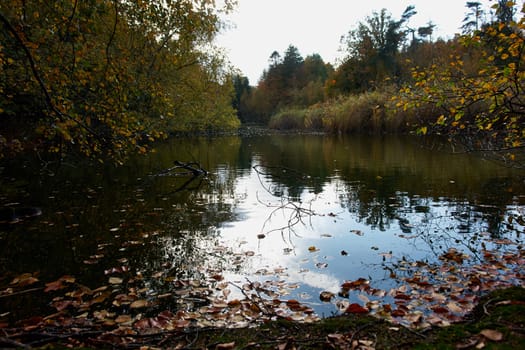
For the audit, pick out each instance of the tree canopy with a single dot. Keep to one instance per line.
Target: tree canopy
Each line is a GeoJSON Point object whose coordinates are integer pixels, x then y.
{"type": "Point", "coordinates": [477, 93]}
{"type": "Point", "coordinates": [290, 80]}
{"type": "Point", "coordinates": [104, 77]}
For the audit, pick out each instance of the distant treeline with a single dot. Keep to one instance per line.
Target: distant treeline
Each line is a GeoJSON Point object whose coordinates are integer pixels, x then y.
{"type": "Point", "coordinates": [396, 78]}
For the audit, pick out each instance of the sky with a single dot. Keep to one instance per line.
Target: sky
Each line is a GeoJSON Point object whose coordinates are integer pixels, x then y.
{"type": "Point", "coordinates": [260, 27]}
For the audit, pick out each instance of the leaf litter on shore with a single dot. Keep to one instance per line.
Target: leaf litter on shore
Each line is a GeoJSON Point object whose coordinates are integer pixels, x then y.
{"type": "Point", "coordinates": [426, 295]}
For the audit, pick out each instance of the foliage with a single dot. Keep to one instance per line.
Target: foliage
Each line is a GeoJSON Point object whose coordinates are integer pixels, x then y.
{"type": "Point", "coordinates": [372, 50]}
{"type": "Point", "coordinates": [369, 112]}
{"type": "Point", "coordinates": [478, 94]}
{"type": "Point", "coordinates": [121, 312]}
{"type": "Point", "coordinates": [105, 77]}
{"type": "Point", "coordinates": [290, 81]}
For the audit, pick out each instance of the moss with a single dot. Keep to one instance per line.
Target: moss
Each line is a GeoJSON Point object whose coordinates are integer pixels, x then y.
{"type": "Point", "coordinates": [501, 310]}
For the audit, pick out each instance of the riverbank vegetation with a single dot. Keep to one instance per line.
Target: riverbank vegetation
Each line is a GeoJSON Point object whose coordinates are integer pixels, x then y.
{"type": "Point", "coordinates": [105, 78]}
{"type": "Point", "coordinates": [397, 79]}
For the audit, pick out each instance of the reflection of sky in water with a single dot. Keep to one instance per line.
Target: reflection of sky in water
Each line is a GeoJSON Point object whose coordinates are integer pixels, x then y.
{"type": "Point", "coordinates": [418, 235]}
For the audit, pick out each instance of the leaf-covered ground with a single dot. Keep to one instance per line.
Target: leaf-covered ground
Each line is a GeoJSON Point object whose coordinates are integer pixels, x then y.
{"type": "Point", "coordinates": [497, 322]}
{"type": "Point", "coordinates": [445, 302]}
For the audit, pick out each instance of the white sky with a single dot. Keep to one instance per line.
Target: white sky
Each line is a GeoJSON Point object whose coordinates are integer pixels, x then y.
{"type": "Point", "coordinates": [316, 26]}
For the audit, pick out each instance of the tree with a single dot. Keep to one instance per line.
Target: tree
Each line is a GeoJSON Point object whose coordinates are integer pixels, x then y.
{"type": "Point", "coordinates": [104, 77]}
{"type": "Point", "coordinates": [289, 81]}
{"type": "Point", "coordinates": [427, 31]}
{"type": "Point", "coordinates": [473, 18]}
{"type": "Point", "coordinates": [478, 97]}
{"type": "Point", "coordinates": [372, 50]}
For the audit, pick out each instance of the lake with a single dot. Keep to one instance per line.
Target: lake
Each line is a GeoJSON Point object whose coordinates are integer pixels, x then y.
{"type": "Point", "coordinates": [282, 217]}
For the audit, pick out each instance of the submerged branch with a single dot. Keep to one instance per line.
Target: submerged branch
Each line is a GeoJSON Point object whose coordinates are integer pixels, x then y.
{"type": "Point", "coordinates": [192, 169]}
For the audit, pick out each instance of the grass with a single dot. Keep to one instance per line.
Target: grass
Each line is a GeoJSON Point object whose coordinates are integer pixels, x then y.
{"type": "Point", "coordinates": [369, 112]}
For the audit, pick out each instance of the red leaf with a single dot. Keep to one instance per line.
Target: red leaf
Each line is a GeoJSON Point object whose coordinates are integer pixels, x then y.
{"type": "Point", "coordinates": [359, 283]}
{"type": "Point", "coordinates": [440, 310]}
{"type": "Point", "coordinates": [51, 286]}
{"type": "Point", "coordinates": [356, 309]}
{"type": "Point", "coordinates": [398, 313]}
{"type": "Point", "coordinates": [402, 296]}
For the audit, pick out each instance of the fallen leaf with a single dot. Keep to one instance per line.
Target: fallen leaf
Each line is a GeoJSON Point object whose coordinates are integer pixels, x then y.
{"type": "Point", "coordinates": [357, 232]}
{"type": "Point", "coordinates": [52, 286]}
{"type": "Point", "coordinates": [115, 280]}
{"type": "Point", "coordinates": [137, 304]}
{"type": "Point", "coordinates": [356, 309]}
{"type": "Point", "coordinates": [123, 319]}
{"type": "Point", "coordinates": [492, 334]}
{"type": "Point", "coordinates": [326, 296]}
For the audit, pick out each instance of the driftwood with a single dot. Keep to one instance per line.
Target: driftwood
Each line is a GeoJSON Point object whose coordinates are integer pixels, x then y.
{"type": "Point", "coordinates": [193, 167]}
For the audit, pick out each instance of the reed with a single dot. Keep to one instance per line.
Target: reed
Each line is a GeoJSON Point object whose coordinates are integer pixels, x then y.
{"type": "Point", "coordinates": [370, 113]}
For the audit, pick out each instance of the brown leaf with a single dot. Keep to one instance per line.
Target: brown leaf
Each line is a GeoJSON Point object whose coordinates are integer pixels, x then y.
{"type": "Point", "coordinates": [358, 283]}
{"type": "Point", "coordinates": [492, 334]}
{"type": "Point", "coordinates": [356, 309]}
{"type": "Point", "coordinates": [115, 280]}
{"type": "Point", "coordinates": [326, 296]}
{"type": "Point", "coordinates": [137, 304]}
{"type": "Point", "coordinates": [123, 318]}
{"type": "Point", "coordinates": [225, 346]}
{"type": "Point", "coordinates": [52, 286]}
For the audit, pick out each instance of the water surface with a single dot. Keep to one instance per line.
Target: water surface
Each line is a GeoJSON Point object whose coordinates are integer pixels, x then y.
{"type": "Point", "coordinates": [302, 213]}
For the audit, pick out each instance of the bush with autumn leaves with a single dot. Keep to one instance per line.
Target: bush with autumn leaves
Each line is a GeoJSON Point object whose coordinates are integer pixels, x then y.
{"type": "Point", "coordinates": [104, 78]}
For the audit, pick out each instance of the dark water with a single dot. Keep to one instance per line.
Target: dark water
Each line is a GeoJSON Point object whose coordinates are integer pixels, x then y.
{"type": "Point", "coordinates": [305, 212]}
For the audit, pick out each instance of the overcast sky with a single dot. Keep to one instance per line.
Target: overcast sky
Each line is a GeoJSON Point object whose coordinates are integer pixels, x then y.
{"type": "Point", "coordinates": [316, 26]}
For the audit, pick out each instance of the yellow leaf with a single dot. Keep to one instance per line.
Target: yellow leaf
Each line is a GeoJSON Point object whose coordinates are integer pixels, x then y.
{"type": "Point", "coordinates": [115, 280]}
{"type": "Point", "coordinates": [137, 304]}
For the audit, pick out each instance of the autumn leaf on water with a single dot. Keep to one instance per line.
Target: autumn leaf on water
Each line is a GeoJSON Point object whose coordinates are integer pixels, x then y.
{"type": "Point", "coordinates": [24, 280]}
{"type": "Point", "coordinates": [320, 265]}
{"type": "Point", "coordinates": [59, 284]}
{"type": "Point", "coordinates": [326, 296]}
{"type": "Point", "coordinates": [356, 309]}
{"type": "Point", "coordinates": [359, 283]}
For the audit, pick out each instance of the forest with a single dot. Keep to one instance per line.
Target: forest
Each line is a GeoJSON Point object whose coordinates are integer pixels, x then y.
{"type": "Point", "coordinates": [396, 78]}
{"type": "Point", "coordinates": [105, 79]}
{"type": "Point", "coordinates": [124, 223]}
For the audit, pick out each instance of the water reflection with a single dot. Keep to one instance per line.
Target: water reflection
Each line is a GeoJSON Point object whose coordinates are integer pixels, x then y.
{"type": "Point", "coordinates": [308, 209]}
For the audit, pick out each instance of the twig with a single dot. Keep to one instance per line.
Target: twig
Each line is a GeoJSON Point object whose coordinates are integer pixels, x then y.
{"type": "Point", "coordinates": [21, 292]}
{"type": "Point", "coordinates": [13, 343]}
